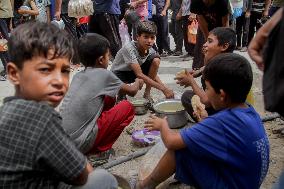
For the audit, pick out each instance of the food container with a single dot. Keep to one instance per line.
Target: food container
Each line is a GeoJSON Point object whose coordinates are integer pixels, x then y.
{"type": "Point", "coordinates": [174, 110]}
{"type": "Point", "coordinates": [25, 7]}
{"type": "Point", "coordinates": [58, 23]}
{"type": "Point", "coordinates": [140, 106]}
{"type": "Point", "coordinates": [145, 138]}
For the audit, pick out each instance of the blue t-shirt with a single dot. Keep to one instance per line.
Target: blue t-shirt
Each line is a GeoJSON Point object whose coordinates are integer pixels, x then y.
{"type": "Point", "coordinates": [229, 149]}
{"type": "Point", "coordinates": [107, 6]}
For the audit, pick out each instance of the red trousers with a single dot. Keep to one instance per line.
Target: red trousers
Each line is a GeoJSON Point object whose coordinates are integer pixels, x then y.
{"type": "Point", "coordinates": [113, 119]}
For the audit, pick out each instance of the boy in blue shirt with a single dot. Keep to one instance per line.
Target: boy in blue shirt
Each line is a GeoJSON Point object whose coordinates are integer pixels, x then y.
{"type": "Point", "coordinates": [35, 151]}
{"type": "Point", "coordinates": [229, 149]}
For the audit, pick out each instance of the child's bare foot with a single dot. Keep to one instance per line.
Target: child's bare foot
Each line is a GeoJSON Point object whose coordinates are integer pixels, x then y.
{"type": "Point", "coordinates": [148, 97]}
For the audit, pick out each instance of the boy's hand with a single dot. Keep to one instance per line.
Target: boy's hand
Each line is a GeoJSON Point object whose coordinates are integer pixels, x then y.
{"type": "Point", "coordinates": [164, 13]}
{"type": "Point", "coordinates": [169, 93]}
{"type": "Point", "coordinates": [185, 79]}
{"type": "Point", "coordinates": [247, 14]}
{"type": "Point", "coordinates": [140, 83]}
{"type": "Point", "coordinates": [57, 15]}
{"type": "Point", "coordinates": [155, 123]}
{"type": "Point", "coordinates": [200, 113]}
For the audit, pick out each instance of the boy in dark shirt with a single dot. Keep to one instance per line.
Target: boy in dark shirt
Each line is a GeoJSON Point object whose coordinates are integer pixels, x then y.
{"type": "Point", "coordinates": [229, 149]}
{"type": "Point", "coordinates": [35, 151]}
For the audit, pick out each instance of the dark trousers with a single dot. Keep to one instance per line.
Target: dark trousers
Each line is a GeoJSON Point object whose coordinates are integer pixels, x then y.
{"type": "Point", "coordinates": [189, 47]}
{"type": "Point", "coordinates": [107, 25]}
{"type": "Point", "coordinates": [70, 25]}
{"type": "Point", "coordinates": [163, 32]}
{"type": "Point", "coordinates": [253, 25]}
{"type": "Point", "coordinates": [4, 56]}
{"type": "Point", "coordinates": [176, 31]}
{"type": "Point", "coordinates": [198, 60]}
{"type": "Point", "coordinates": [242, 29]}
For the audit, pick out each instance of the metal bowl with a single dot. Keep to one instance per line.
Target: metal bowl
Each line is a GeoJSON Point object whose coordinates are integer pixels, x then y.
{"type": "Point", "coordinates": [173, 109]}
{"type": "Point", "coordinates": [140, 106]}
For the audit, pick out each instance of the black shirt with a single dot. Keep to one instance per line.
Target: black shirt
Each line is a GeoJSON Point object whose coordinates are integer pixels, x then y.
{"type": "Point", "coordinates": [213, 13]}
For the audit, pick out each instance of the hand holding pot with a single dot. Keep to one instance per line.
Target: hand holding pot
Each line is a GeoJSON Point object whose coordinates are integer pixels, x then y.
{"type": "Point", "coordinates": [155, 123]}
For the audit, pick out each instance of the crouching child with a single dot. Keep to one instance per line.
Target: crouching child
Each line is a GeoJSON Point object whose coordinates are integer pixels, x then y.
{"type": "Point", "coordinates": [35, 151]}
{"type": "Point", "coordinates": [228, 149]}
{"type": "Point", "coordinates": [137, 59]}
{"type": "Point", "coordinates": [90, 115]}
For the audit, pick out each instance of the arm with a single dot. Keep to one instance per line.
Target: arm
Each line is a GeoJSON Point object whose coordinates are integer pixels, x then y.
{"type": "Point", "coordinates": [171, 139]}
{"type": "Point", "coordinates": [188, 80]}
{"type": "Point", "coordinates": [48, 14]}
{"type": "Point", "coordinates": [34, 10]}
{"type": "Point", "coordinates": [136, 3]}
{"type": "Point", "coordinates": [167, 5]}
{"type": "Point", "coordinates": [225, 21]}
{"type": "Point", "coordinates": [266, 7]}
{"type": "Point", "coordinates": [131, 90]}
{"type": "Point", "coordinates": [256, 45]}
{"type": "Point", "coordinates": [202, 23]}
{"type": "Point", "coordinates": [57, 9]}
{"type": "Point", "coordinates": [83, 177]}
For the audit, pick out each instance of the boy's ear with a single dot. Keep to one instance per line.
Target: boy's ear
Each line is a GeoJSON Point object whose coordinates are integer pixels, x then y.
{"type": "Point", "coordinates": [100, 60]}
{"type": "Point", "coordinates": [223, 95]}
{"type": "Point", "coordinates": [225, 47]}
{"type": "Point", "coordinates": [13, 73]}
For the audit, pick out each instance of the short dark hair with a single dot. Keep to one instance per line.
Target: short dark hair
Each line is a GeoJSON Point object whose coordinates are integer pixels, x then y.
{"type": "Point", "coordinates": [225, 35]}
{"type": "Point", "coordinates": [90, 47]}
{"type": "Point", "coordinates": [36, 39]}
{"type": "Point", "coordinates": [146, 26]}
{"type": "Point", "coordinates": [230, 72]}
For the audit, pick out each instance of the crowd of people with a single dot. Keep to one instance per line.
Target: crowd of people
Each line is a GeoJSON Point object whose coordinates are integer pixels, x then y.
{"type": "Point", "coordinates": [226, 148]}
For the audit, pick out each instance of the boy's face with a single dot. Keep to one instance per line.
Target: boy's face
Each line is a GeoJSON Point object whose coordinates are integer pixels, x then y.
{"type": "Point", "coordinates": [41, 79]}
{"type": "Point", "coordinates": [105, 59]}
{"type": "Point", "coordinates": [146, 40]}
{"type": "Point", "coordinates": [216, 99]}
{"type": "Point", "coordinates": [211, 48]}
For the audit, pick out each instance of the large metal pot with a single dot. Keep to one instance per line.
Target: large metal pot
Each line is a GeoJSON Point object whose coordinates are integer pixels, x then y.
{"type": "Point", "coordinates": [173, 109]}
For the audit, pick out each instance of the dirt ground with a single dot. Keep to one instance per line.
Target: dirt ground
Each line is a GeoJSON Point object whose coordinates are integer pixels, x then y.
{"type": "Point", "coordinates": [130, 169]}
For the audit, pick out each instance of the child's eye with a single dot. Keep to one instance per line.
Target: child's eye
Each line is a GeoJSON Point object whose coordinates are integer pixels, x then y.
{"type": "Point", "coordinates": [44, 70]}
{"type": "Point", "coordinates": [67, 71]}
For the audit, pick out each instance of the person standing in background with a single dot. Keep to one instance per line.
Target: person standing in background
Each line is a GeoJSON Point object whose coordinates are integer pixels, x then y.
{"type": "Point", "coordinates": [6, 13]}
{"type": "Point", "coordinates": [210, 14]}
{"type": "Point", "coordinates": [161, 21]}
{"type": "Point", "coordinates": [105, 21]}
{"type": "Point", "coordinates": [44, 10]}
{"type": "Point", "coordinates": [175, 27]}
{"type": "Point", "coordinates": [259, 9]}
{"type": "Point", "coordinates": [186, 17]}
{"type": "Point", "coordinates": [242, 26]}
{"type": "Point", "coordinates": [61, 11]}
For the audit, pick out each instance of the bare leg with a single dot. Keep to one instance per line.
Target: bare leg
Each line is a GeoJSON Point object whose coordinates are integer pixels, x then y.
{"type": "Point", "coordinates": [165, 168]}
{"type": "Point", "coordinates": [153, 74]}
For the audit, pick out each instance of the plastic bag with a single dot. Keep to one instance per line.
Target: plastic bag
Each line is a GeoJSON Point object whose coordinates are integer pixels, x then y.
{"type": "Point", "coordinates": [80, 8]}
{"type": "Point", "coordinates": [192, 32]}
{"type": "Point", "coordinates": [3, 43]}
{"type": "Point", "coordinates": [123, 31]}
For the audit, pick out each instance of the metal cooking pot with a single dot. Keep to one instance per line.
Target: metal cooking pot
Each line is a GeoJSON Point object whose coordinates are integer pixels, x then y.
{"type": "Point", "coordinates": [173, 109]}
{"type": "Point", "coordinates": [140, 106]}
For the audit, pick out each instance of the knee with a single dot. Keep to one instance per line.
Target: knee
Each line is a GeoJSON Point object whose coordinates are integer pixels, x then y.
{"type": "Point", "coordinates": [101, 179]}
{"type": "Point", "coordinates": [186, 98]}
{"type": "Point", "coordinates": [126, 108]}
{"type": "Point", "coordinates": [156, 63]}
